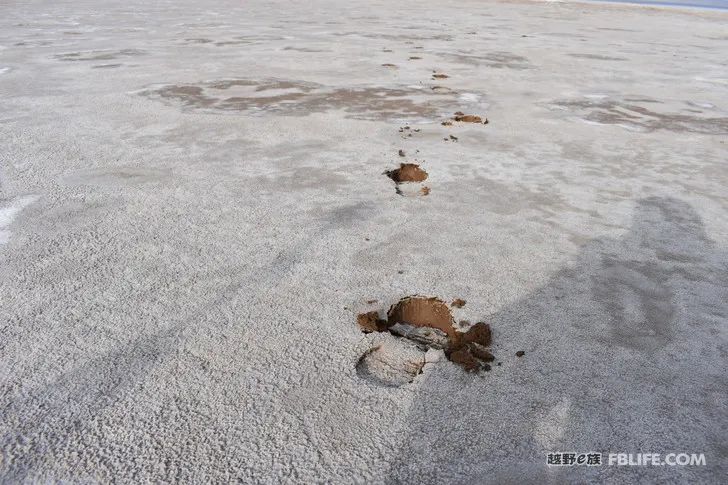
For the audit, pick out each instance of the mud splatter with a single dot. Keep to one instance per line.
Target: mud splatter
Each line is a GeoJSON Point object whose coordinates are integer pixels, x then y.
{"type": "Point", "coordinates": [477, 334]}
{"type": "Point", "coordinates": [465, 359]}
{"type": "Point", "coordinates": [407, 132]}
{"type": "Point", "coordinates": [457, 303]}
{"type": "Point", "coordinates": [370, 322]}
{"type": "Point", "coordinates": [482, 353]}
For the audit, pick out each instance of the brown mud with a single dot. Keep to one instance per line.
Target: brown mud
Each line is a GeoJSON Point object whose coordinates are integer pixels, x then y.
{"type": "Point", "coordinates": [463, 118]}
{"type": "Point", "coordinates": [407, 172]}
{"type": "Point", "coordinates": [457, 303]}
{"type": "Point", "coordinates": [428, 323]}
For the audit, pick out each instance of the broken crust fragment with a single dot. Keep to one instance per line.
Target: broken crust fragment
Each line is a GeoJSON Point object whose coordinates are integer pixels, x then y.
{"type": "Point", "coordinates": [427, 337]}
{"type": "Point", "coordinates": [393, 363]}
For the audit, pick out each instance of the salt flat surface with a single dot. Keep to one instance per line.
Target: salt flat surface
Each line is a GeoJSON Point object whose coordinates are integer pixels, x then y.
{"type": "Point", "coordinates": [210, 214]}
{"type": "Point", "coordinates": [9, 210]}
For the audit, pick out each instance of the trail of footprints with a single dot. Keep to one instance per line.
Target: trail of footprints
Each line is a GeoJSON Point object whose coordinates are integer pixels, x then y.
{"type": "Point", "coordinates": [419, 329]}
{"type": "Point", "coordinates": [409, 174]}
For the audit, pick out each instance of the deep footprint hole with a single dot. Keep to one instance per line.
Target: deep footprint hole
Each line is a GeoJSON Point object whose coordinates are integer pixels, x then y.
{"type": "Point", "coordinates": [408, 173]}
{"type": "Point", "coordinates": [421, 323]}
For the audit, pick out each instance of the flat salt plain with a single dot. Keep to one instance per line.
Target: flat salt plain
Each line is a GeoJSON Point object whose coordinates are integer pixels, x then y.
{"type": "Point", "coordinates": [194, 211]}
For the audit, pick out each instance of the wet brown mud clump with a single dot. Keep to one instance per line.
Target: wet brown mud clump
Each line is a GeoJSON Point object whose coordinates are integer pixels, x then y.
{"type": "Point", "coordinates": [464, 359]}
{"type": "Point", "coordinates": [457, 303]}
{"type": "Point", "coordinates": [427, 323]}
{"type": "Point", "coordinates": [407, 172]}
{"type": "Point", "coordinates": [370, 322]}
{"type": "Point", "coordinates": [481, 353]}
{"type": "Point", "coordinates": [406, 176]}
{"type": "Point", "coordinates": [471, 347]}
{"type": "Point", "coordinates": [477, 334]}
{"type": "Point", "coordinates": [463, 118]}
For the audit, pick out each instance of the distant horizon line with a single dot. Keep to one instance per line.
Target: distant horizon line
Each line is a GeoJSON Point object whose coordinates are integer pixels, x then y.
{"type": "Point", "coordinates": [702, 5]}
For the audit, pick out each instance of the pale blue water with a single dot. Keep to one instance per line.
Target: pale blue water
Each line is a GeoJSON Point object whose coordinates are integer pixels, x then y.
{"type": "Point", "coordinates": [711, 4]}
